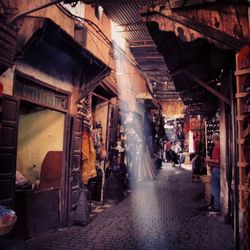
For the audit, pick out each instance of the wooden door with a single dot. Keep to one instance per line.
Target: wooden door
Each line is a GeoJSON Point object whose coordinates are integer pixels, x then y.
{"type": "Point", "coordinates": [74, 165]}
{"type": "Point", "coordinates": [8, 148]}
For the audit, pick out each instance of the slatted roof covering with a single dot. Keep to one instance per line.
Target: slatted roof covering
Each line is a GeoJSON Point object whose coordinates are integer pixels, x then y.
{"type": "Point", "coordinates": [8, 39]}
{"type": "Point", "coordinates": [126, 14]}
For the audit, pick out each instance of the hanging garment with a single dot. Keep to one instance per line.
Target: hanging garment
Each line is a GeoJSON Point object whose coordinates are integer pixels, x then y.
{"type": "Point", "coordinates": [88, 157]}
{"type": "Point", "coordinates": [84, 110]}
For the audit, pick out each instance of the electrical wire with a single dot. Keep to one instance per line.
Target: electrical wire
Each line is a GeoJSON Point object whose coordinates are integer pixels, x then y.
{"type": "Point", "coordinates": [33, 10]}
{"type": "Point", "coordinates": [99, 31]}
{"type": "Point", "coordinates": [146, 76]}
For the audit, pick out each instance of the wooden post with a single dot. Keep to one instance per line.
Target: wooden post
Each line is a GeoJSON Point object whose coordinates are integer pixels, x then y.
{"type": "Point", "coordinates": [223, 159]}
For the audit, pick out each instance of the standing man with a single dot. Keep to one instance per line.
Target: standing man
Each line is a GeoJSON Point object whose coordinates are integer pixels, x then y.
{"type": "Point", "coordinates": [214, 164]}
{"type": "Point", "coordinates": [176, 153]}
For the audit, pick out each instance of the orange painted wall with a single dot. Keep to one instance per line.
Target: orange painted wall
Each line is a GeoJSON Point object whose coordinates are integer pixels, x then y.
{"type": "Point", "coordinates": [95, 42]}
{"type": "Point", "coordinates": [129, 81]}
{"type": "Point", "coordinates": [53, 12]}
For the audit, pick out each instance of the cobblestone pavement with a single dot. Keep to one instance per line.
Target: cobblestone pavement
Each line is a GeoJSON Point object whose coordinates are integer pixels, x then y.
{"type": "Point", "coordinates": [161, 214]}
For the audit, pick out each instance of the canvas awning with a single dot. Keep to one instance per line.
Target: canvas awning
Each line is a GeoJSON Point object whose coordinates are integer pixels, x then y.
{"type": "Point", "coordinates": [149, 100]}
{"type": "Point", "coordinates": [144, 95]}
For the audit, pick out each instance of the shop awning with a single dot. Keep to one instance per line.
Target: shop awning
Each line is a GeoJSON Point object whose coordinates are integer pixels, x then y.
{"type": "Point", "coordinates": [108, 85]}
{"type": "Point", "coordinates": [144, 95]}
{"type": "Point", "coordinates": [51, 49]}
{"type": "Point", "coordinates": [148, 99]}
{"type": "Point", "coordinates": [173, 109]}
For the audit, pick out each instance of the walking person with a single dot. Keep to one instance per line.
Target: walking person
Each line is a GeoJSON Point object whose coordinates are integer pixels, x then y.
{"type": "Point", "coordinates": [167, 150]}
{"type": "Point", "coordinates": [176, 153]}
{"type": "Point", "coordinates": [214, 164]}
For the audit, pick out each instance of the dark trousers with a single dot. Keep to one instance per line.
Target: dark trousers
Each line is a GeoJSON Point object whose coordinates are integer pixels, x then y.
{"type": "Point", "coordinates": [175, 158]}
{"type": "Point", "coordinates": [215, 186]}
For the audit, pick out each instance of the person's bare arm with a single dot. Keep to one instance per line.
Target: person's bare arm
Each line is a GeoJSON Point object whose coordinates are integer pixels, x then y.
{"type": "Point", "coordinates": [211, 161]}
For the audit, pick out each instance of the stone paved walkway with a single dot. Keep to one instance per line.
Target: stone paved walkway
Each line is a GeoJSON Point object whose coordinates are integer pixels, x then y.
{"type": "Point", "coordinates": [161, 214]}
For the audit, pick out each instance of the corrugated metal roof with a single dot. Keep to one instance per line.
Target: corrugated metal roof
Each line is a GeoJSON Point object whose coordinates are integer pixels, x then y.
{"type": "Point", "coordinates": [126, 14]}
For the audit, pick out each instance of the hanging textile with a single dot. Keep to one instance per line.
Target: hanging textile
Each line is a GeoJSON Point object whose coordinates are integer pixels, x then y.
{"type": "Point", "coordinates": [88, 157]}
{"type": "Point", "coordinates": [84, 110]}
{"type": "Point", "coordinates": [88, 151]}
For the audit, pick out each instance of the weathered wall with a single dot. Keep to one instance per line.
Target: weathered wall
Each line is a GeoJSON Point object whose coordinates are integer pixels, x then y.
{"type": "Point", "coordinates": [53, 12]}
{"type": "Point", "coordinates": [60, 17]}
{"type": "Point", "coordinates": [95, 43]}
{"type": "Point", "coordinates": [53, 81]}
{"type": "Point", "coordinates": [39, 133]}
{"type": "Point", "coordinates": [44, 77]}
{"type": "Point", "coordinates": [129, 81]}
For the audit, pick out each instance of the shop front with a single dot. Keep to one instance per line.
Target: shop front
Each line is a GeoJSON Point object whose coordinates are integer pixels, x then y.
{"type": "Point", "coordinates": [96, 110]}
{"type": "Point", "coordinates": [41, 130]}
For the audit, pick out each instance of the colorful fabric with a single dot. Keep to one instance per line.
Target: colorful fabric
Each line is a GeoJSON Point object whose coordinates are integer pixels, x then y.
{"type": "Point", "coordinates": [88, 157]}
{"type": "Point", "coordinates": [84, 110]}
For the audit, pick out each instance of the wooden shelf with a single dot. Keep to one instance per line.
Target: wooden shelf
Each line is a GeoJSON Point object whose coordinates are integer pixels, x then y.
{"type": "Point", "coordinates": [246, 131]}
{"type": "Point", "coordinates": [241, 141]}
{"type": "Point", "coordinates": [241, 76]}
{"type": "Point", "coordinates": [242, 117]}
{"type": "Point", "coordinates": [241, 72]}
{"type": "Point", "coordinates": [247, 189]}
{"type": "Point", "coordinates": [243, 164]}
{"type": "Point", "coordinates": [242, 94]}
{"type": "Point", "coordinates": [242, 187]}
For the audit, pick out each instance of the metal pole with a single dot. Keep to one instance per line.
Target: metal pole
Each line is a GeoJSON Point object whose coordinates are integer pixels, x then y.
{"type": "Point", "coordinates": [13, 19]}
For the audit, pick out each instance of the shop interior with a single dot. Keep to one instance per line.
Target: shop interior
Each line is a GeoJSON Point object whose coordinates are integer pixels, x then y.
{"type": "Point", "coordinates": [39, 168]}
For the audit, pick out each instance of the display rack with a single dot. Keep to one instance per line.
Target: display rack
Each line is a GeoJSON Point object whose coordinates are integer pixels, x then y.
{"type": "Point", "coordinates": [242, 74]}
{"type": "Point", "coordinates": [243, 128]}
{"type": "Point", "coordinates": [212, 126]}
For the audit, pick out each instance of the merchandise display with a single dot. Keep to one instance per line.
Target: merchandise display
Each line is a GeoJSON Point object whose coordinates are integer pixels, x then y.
{"type": "Point", "coordinates": [7, 220]}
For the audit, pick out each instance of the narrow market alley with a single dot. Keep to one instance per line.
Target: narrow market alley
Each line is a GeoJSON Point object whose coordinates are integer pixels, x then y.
{"type": "Point", "coordinates": [125, 124]}
{"type": "Point", "coordinates": [164, 214]}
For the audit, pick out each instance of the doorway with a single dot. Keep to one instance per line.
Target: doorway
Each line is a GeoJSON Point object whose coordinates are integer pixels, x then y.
{"type": "Point", "coordinates": [39, 169]}
{"type": "Point", "coordinates": [41, 130]}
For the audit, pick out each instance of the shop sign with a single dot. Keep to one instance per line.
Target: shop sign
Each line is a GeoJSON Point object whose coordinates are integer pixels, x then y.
{"type": "Point", "coordinates": [38, 93]}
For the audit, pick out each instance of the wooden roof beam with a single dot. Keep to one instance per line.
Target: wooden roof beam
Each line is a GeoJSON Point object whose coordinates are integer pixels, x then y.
{"type": "Point", "coordinates": [141, 57]}
{"type": "Point", "coordinates": [153, 53]}
{"type": "Point", "coordinates": [210, 32]}
{"type": "Point", "coordinates": [208, 88]}
{"type": "Point", "coordinates": [143, 46]}
{"type": "Point", "coordinates": [179, 5]}
{"type": "Point", "coordinates": [140, 41]}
